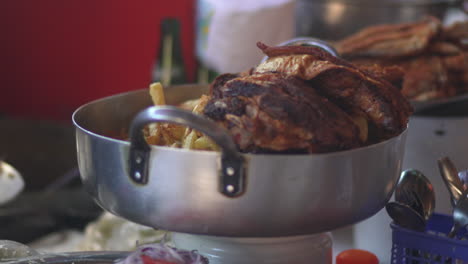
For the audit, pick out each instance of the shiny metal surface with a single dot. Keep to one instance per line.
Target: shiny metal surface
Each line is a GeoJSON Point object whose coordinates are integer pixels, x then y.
{"type": "Point", "coordinates": [336, 19]}
{"type": "Point", "coordinates": [284, 195]}
{"type": "Point", "coordinates": [449, 174]}
{"type": "Point", "coordinates": [463, 175]}
{"type": "Point", "coordinates": [417, 190]}
{"type": "Point", "coordinates": [232, 165]}
{"type": "Point", "coordinates": [460, 215]}
{"type": "Point", "coordinates": [405, 216]}
{"type": "Point", "coordinates": [414, 201]}
{"type": "Point", "coordinates": [421, 106]}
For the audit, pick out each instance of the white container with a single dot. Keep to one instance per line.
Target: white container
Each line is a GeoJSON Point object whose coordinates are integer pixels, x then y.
{"type": "Point", "coordinates": [307, 249]}
{"type": "Point", "coordinates": [227, 31]}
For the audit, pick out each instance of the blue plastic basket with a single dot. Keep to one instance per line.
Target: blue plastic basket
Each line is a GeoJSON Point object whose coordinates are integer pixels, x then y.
{"type": "Point", "coordinates": [431, 246]}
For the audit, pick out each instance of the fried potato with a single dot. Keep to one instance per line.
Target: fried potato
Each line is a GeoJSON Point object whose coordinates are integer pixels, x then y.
{"type": "Point", "coordinates": [157, 94]}
{"type": "Point", "coordinates": [176, 135]}
{"type": "Point", "coordinates": [190, 104]}
{"type": "Point", "coordinates": [362, 124]}
{"type": "Point", "coordinates": [190, 139]}
{"type": "Point", "coordinates": [153, 134]}
{"type": "Point", "coordinates": [204, 143]}
{"type": "Point", "coordinates": [172, 133]}
{"type": "Point", "coordinates": [198, 109]}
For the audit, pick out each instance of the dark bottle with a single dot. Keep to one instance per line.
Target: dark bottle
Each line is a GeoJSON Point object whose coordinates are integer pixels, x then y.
{"type": "Point", "coordinates": [205, 75]}
{"type": "Point", "coordinates": [169, 65]}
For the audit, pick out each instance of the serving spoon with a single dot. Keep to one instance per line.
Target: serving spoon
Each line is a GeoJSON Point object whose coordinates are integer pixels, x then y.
{"type": "Point", "coordinates": [405, 216]}
{"type": "Point", "coordinates": [460, 215]}
{"type": "Point", "coordinates": [415, 189]}
{"type": "Point", "coordinates": [457, 192]}
{"type": "Point", "coordinates": [414, 201]}
{"type": "Point", "coordinates": [449, 174]}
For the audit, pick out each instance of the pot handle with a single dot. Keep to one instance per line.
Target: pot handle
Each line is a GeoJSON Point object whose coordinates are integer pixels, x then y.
{"type": "Point", "coordinates": [232, 173]}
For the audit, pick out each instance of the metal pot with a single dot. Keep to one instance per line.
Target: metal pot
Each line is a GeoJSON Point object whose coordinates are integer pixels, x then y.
{"type": "Point", "coordinates": [337, 19]}
{"type": "Point", "coordinates": [188, 191]}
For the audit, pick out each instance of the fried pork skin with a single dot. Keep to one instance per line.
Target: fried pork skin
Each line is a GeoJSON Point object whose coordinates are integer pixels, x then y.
{"type": "Point", "coordinates": [395, 40]}
{"type": "Point", "coordinates": [353, 89]}
{"type": "Point", "coordinates": [278, 113]}
{"type": "Point", "coordinates": [433, 57]}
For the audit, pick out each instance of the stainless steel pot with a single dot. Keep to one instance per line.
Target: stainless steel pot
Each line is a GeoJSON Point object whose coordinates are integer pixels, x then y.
{"type": "Point", "coordinates": [188, 191]}
{"type": "Point", "coordinates": [336, 19]}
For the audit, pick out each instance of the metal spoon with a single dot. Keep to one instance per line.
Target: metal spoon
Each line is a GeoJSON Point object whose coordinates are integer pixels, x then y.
{"type": "Point", "coordinates": [449, 174]}
{"type": "Point", "coordinates": [460, 215]}
{"type": "Point", "coordinates": [458, 195]}
{"type": "Point", "coordinates": [415, 190]}
{"type": "Point", "coordinates": [405, 216]}
{"type": "Point", "coordinates": [463, 175]}
{"type": "Point", "coordinates": [415, 201]}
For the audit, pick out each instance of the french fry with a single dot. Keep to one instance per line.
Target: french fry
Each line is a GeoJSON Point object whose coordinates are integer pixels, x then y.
{"type": "Point", "coordinates": [198, 109]}
{"type": "Point", "coordinates": [172, 133]}
{"type": "Point", "coordinates": [190, 104]}
{"type": "Point", "coordinates": [153, 136]}
{"type": "Point", "coordinates": [361, 122]}
{"type": "Point", "coordinates": [176, 135]}
{"type": "Point", "coordinates": [205, 143]}
{"type": "Point", "coordinates": [154, 130]}
{"type": "Point", "coordinates": [157, 93]}
{"type": "Point", "coordinates": [189, 140]}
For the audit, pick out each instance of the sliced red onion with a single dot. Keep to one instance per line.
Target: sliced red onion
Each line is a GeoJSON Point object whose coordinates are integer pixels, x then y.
{"type": "Point", "coordinates": [164, 252]}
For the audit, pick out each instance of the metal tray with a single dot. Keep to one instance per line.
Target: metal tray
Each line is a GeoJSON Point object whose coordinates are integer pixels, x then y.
{"type": "Point", "coordinates": [425, 106]}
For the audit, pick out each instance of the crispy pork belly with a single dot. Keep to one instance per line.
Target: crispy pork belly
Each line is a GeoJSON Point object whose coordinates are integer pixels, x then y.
{"type": "Point", "coordinates": [435, 67]}
{"type": "Point", "coordinates": [395, 40]}
{"type": "Point", "coordinates": [353, 89]}
{"type": "Point", "coordinates": [278, 113]}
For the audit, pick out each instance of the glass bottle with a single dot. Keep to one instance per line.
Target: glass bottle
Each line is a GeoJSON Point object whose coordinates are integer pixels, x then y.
{"type": "Point", "coordinates": [169, 65]}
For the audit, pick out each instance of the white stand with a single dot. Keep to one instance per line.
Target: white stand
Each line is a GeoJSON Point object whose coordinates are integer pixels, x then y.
{"type": "Point", "coordinates": [305, 249]}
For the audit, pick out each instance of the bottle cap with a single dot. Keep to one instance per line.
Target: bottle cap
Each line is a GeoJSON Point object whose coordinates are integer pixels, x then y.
{"type": "Point", "coordinates": [356, 256]}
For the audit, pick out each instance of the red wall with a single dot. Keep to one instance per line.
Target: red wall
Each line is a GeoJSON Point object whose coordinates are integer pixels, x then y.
{"type": "Point", "coordinates": [58, 54]}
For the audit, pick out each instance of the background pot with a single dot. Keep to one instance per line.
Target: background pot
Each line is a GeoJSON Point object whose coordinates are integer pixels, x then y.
{"type": "Point", "coordinates": [336, 19]}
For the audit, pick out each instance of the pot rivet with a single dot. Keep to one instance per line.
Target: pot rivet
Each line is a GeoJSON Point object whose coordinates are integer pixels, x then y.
{"type": "Point", "coordinates": [230, 188]}
{"type": "Point", "coordinates": [230, 171]}
{"type": "Point", "coordinates": [137, 175]}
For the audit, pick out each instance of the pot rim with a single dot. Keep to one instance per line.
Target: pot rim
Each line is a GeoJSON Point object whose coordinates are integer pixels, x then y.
{"type": "Point", "coordinates": [395, 3]}
{"type": "Point", "coordinates": [205, 152]}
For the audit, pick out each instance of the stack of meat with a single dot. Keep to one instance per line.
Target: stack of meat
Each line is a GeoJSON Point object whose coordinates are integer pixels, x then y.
{"type": "Point", "coordinates": [304, 100]}
{"type": "Point", "coordinates": [434, 57]}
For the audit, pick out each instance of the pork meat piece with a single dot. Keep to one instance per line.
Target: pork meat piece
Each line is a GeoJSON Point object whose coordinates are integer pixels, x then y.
{"type": "Point", "coordinates": [433, 57]}
{"type": "Point", "coordinates": [351, 88]}
{"type": "Point", "coordinates": [394, 40]}
{"type": "Point", "coordinates": [278, 113]}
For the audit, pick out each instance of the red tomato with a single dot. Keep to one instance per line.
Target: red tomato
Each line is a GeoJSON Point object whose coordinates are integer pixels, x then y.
{"type": "Point", "coordinates": [356, 256]}
{"type": "Point", "coordinates": [148, 260]}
